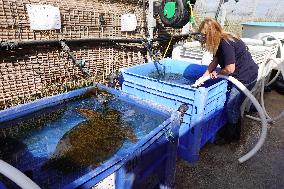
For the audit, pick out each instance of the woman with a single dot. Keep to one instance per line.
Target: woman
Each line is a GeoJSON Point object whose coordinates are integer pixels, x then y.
{"type": "Point", "coordinates": [233, 56]}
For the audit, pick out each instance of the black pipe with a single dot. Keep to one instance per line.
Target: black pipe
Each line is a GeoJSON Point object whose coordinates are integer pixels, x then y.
{"type": "Point", "coordinates": [7, 45]}
{"type": "Point", "coordinates": [55, 42]}
{"type": "Point", "coordinates": [194, 35]}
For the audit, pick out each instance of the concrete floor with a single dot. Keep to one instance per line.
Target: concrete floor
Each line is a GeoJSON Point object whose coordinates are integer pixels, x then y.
{"type": "Point", "coordinates": [218, 166]}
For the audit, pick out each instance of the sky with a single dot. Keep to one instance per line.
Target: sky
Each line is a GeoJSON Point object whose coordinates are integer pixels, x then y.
{"type": "Point", "coordinates": [244, 8]}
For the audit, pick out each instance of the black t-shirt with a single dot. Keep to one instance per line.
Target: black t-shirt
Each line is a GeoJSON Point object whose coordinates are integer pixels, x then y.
{"type": "Point", "coordinates": [236, 52]}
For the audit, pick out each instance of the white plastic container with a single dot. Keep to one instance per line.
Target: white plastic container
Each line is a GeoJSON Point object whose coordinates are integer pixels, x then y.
{"type": "Point", "coordinates": [257, 30]}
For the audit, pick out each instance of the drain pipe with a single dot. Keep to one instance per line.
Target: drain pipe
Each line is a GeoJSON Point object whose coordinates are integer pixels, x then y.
{"type": "Point", "coordinates": [17, 176]}
{"type": "Point", "coordinates": [239, 85]}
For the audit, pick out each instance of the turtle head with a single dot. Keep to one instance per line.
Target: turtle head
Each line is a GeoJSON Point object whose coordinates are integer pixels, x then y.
{"type": "Point", "coordinates": [88, 113]}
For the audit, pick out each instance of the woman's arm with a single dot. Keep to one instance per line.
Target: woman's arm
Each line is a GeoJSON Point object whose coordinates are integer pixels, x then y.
{"type": "Point", "coordinates": [229, 69]}
{"type": "Point", "coordinates": [211, 66]}
{"type": "Point", "coordinates": [209, 70]}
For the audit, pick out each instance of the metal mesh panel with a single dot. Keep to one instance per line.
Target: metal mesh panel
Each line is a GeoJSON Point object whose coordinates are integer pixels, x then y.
{"type": "Point", "coordinates": [80, 18]}
{"type": "Point", "coordinates": [31, 73]}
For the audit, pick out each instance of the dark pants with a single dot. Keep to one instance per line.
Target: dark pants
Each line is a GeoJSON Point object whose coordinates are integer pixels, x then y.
{"type": "Point", "coordinates": [232, 130]}
{"type": "Point", "coordinates": [234, 102]}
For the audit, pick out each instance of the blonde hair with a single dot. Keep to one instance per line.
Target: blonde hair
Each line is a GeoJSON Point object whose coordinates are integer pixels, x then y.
{"type": "Point", "coordinates": [214, 33]}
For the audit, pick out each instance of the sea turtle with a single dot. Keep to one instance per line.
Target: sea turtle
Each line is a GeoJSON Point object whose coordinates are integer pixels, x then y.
{"type": "Point", "coordinates": [101, 94]}
{"type": "Point", "coordinates": [92, 141]}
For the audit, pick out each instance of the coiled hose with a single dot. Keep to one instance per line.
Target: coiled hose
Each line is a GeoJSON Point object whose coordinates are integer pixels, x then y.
{"type": "Point", "coordinates": [278, 63]}
{"type": "Point", "coordinates": [239, 85]}
{"type": "Point", "coordinates": [180, 17]}
{"type": "Point", "coordinates": [269, 119]}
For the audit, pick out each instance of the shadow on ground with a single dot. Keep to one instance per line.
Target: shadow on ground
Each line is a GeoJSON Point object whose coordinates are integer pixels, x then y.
{"type": "Point", "coordinates": [218, 166]}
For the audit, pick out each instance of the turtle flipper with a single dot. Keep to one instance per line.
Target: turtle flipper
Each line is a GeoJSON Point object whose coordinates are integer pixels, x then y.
{"type": "Point", "coordinates": [129, 134]}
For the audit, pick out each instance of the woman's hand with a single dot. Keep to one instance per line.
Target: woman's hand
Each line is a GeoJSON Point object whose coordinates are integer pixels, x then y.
{"type": "Point", "coordinates": [213, 75]}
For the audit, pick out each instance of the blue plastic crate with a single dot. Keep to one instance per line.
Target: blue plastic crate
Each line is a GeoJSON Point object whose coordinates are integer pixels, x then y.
{"type": "Point", "coordinates": [205, 115]}
{"type": "Point", "coordinates": [2, 186]}
{"type": "Point", "coordinates": [146, 164]}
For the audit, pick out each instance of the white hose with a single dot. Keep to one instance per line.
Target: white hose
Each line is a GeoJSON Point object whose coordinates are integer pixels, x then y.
{"type": "Point", "coordinates": [261, 110]}
{"type": "Point", "coordinates": [269, 119]}
{"type": "Point", "coordinates": [281, 50]}
{"type": "Point", "coordinates": [261, 140]}
{"type": "Point", "coordinates": [273, 120]}
{"type": "Point", "coordinates": [270, 35]}
{"type": "Point", "coordinates": [274, 78]}
{"type": "Point", "coordinates": [262, 99]}
{"type": "Point", "coordinates": [278, 63]}
{"type": "Point", "coordinates": [17, 176]}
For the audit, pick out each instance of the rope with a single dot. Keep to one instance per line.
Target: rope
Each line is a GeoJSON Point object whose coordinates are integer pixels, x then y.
{"type": "Point", "coordinates": [191, 18]}
{"type": "Point", "coordinates": [172, 35]}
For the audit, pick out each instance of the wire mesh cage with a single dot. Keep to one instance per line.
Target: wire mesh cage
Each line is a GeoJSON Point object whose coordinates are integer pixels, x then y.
{"type": "Point", "coordinates": [34, 72]}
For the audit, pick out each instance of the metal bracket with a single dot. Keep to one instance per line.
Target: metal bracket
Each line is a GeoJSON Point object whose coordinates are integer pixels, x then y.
{"type": "Point", "coordinates": [182, 109]}
{"type": "Point", "coordinates": [169, 135]}
{"type": "Point", "coordinates": [115, 80]}
{"type": "Point", "coordinates": [8, 45]}
{"type": "Point", "coordinates": [198, 37]}
{"type": "Point", "coordinates": [102, 20]}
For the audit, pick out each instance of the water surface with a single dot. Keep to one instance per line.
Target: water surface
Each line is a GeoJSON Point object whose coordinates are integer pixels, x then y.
{"type": "Point", "coordinates": [29, 142]}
